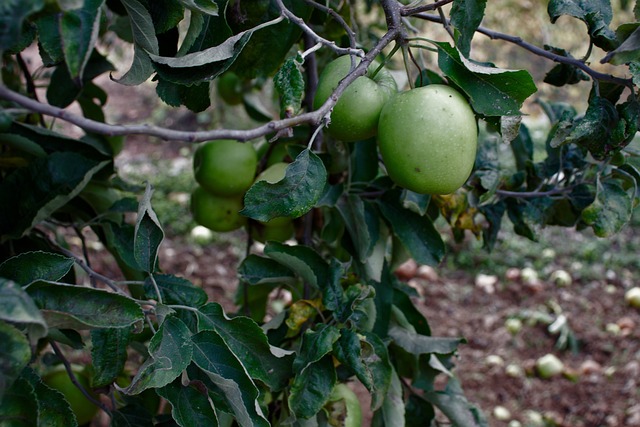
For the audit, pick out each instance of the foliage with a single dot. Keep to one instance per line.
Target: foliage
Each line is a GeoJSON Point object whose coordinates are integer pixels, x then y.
{"type": "Point", "coordinates": [155, 334]}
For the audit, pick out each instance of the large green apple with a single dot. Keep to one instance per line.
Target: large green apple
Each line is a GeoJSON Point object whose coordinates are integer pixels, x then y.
{"type": "Point", "coordinates": [218, 213]}
{"type": "Point", "coordinates": [355, 115]}
{"type": "Point", "coordinates": [225, 167]}
{"type": "Point", "coordinates": [428, 139]}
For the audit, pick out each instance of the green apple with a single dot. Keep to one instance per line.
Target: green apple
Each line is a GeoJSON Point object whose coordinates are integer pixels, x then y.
{"type": "Point", "coordinates": [428, 139]}
{"type": "Point", "coordinates": [355, 115]}
{"type": "Point", "coordinates": [218, 213]}
{"type": "Point", "coordinates": [230, 88]}
{"type": "Point", "coordinates": [225, 167]}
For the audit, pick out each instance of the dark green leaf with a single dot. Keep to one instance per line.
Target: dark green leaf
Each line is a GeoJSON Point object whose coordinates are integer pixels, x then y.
{"type": "Point", "coordinates": [595, 130]}
{"type": "Point", "coordinates": [144, 35]}
{"type": "Point", "coordinates": [392, 410]}
{"type": "Point", "coordinates": [293, 196]}
{"type": "Point", "coordinates": [175, 290]}
{"type": "Point", "coordinates": [19, 405]}
{"type": "Point", "coordinates": [53, 409]}
{"type": "Point", "coordinates": [108, 354]}
{"type": "Point", "coordinates": [256, 270]}
{"type": "Point", "coordinates": [208, 7]}
{"type": "Point", "coordinates": [466, 16]}
{"type": "Point", "coordinates": [564, 74]}
{"type": "Point", "coordinates": [12, 15]}
{"type": "Point", "coordinates": [311, 387]}
{"type": "Point", "coordinates": [491, 91]}
{"type": "Point", "coordinates": [361, 223]}
{"type": "Point", "coordinates": [76, 307]}
{"type": "Point", "coordinates": [170, 351]}
{"type": "Point", "coordinates": [15, 355]}
{"type": "Point", "coordinates": [132, 415]}
{"type": "Point", "coordinates": [415, 202]}
{"type": "Point", "coordinates": [52, 182]}
{"type": "Point", "coordinates": [17, 307]}
{"type": "Point", "coordinates": [79, 31]}
{"type": "Point", "coordinates": [416, 233]}
{"type": "Point", "coordinates": [315, 345]}
{"type": "Point", "coordinates": [189, 405]}
{"type": "Point", "coordinates": [419, 411]}
{"type": "Point", "coordinates": [148, 234]}
{"type": "Point", "coordinates": [248, 342]}
{"type": "Point", "coordinates": [49, 40]}
{"type": "Point", "coordinates": [455, 405]}
{"type": "Point", "coordinates": [610, 211]}
{"type": "Point", "coordinates": [597, 14]}
{"type": "Point", "coordinates": [364, 161]}
{"type": "Point", "coordinates": [303, 260]}
{"type": "Point", "coordinates": [376, 359]}
{"type": "Point", "coordinates": [223, 368]}
{"type": "Point", "coordinates": [31, 266]}
{"type": "Point", "coordinates": [417, 344]}
{"type": "Point", "coordinates": [52, 142]}
{"type": "Point", "coordinates": [289, 82]}
{"type": "Point", "coordinates": [196, 23]}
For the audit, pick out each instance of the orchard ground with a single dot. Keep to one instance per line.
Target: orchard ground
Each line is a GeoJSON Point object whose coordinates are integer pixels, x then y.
{"type": "Point", "coordinates": [471, 294]}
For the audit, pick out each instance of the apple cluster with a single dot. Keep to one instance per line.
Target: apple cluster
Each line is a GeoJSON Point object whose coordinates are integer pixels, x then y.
{"type": "Point", "coordinates": [427, 136]}
{"type": "Point", "coordinates": [224, 171]}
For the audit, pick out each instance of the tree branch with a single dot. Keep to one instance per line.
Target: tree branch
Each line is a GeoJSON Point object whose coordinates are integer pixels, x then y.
{"type": "Point", "coordinates": [409, 11]}
{"type": "Point", "coordinates": [495, 35]}
{"type": "Point", "coordinates": [315, 117]}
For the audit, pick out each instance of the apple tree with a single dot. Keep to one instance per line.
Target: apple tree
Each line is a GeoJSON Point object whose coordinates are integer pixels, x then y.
{"type": "Point", "coordinates": [366, 167]}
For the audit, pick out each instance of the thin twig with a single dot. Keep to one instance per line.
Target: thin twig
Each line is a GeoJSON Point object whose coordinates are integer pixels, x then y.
{"type": "Point", "coordinates": [409, 11]}
{"type": "Point", "coordinates": [495, 35]}
{"type": "Point", "coordinates": [307, 30]}
{"type": "Point", "coordinates": [74, 379]}
{"type": "Point", "coordinates": [534, 194]}
{"type": "Point", "coordinates": [336, 16]}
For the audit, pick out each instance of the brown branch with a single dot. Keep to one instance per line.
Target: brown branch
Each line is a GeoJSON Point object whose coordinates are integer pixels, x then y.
{"type": "Point", "coordinates": [410, 11]}
{"type": "Point", "coordinates": [495, 35]}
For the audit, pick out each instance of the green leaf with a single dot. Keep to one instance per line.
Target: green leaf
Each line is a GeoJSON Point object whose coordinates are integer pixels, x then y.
{"type": "Point", "coordinates": [466, 16]}
{"type": "Point", "coordinates": [175, 290]}
{"type": "Point", "coordinates": [196, 23]}
{"type": "Point", "coordinates": [20, 408]}
{"type": "Point", "coordinates": [17, 307]}
{"type": "Point", "coordinates": [597, 14]}
{"type": "Point", "coordinates": [208, 7]}
{"type": "Point", "coordinates": [201, 65]}
{"type": "Point", "coordinates": [415, 202]}
{"type": "Point", "coordinates": [289, 82]}
{"type": "Point", "coordinates": [144, 35]}
{"type": "Point", "coordinates": [491, 91]}
{"type": "Point", "coordinates": [361, 223]}
{"type": "Point", "coordinates": [79, 32]}
{"type": "Point", "coordinates": [76, 307]}
{"type": "Point", "coordinates": [417, 344]}
{"type": "Point", "coordinates": [189, 406]}
{"type": "Point", "coordinates": [311, 387]}
{"type": "Point", "coordinates": [170, 352]}
{"type": "Point", "coordinates": [416, 232]}
{"type": "Point", "coordinates": [564, 74]}
{"type": "Point", "coordinates": [223, 368]}
{"type": "Point", "coordinates": [594, 130]}
{"type": "Point", "coordinates": [52, 181]}
{"type": "Point", "coordinates": [455, 405]}
{"type": "Point", "coordinates": [392, 411]}
{"type": "Point", "coordinates": [249, 343]}
{"type": "Point", "coordinates": [53, 408]}
{"type": "Point", "coordinates": [610, 211]}
{"type": "Point", "coordinates": [31, 266]}
{"type": "Point", "coordinates": [315, 345]}
{"type": "Point", "coordinates": [628, 51]}
{"type": "Point", "coordinates": [15, 355]}
{"type": "Point", "coordinates": [12, 15]}
{"type": "Point", "coordinates": [108, 354]}
{"type": "Point", "coordinates": [53, 142]}
{"type": "Point", "coordinates": [293, 196]}
{"type": "Point", "coordinates": [132, 415]}
{"type": "Point", "coordinates": [148, 234]}
{"type": "Point", "coordinates": [378, 363]}
{"type": "Point", "coordinates": [49, 39]}
{"type": "Point", "coordinates": [303, 260]}
{"type": "Point", "coordinates": [257, 270]}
